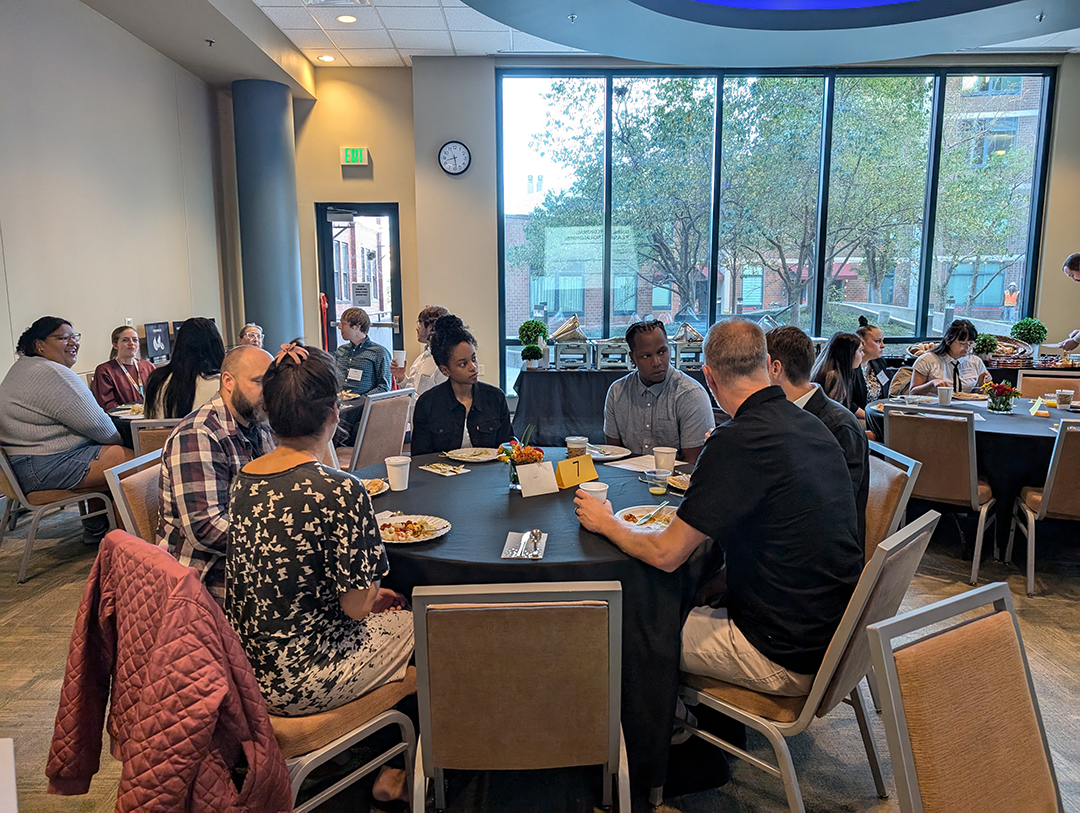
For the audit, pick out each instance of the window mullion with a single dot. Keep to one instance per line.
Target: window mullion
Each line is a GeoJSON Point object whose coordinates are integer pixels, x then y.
{"type": "Point", "coordinates": [608, 94]}
{"type": "Point", "coordinates": [823, 203]}
{"type": "Point", "coordinates": [933, 172]}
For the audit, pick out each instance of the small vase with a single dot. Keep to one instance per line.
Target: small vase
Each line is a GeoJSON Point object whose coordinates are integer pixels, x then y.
{"type": "Point", "coordinates": [515, 484]}
{"type": "Point", "coordinates": [530, 364]}
{"type": "Point", "coordinates": [1002, 404]}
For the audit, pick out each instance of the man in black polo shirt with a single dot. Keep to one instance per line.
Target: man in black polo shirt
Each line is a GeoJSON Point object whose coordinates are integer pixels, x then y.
{"type": "Point", "coordinates": [771, 487]}
{"type": "Point", "coordinates": [791, 358]}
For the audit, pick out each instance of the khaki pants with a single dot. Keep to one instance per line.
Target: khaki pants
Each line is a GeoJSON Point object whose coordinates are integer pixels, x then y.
{"type": "Point", "coordinates": [713, 646]}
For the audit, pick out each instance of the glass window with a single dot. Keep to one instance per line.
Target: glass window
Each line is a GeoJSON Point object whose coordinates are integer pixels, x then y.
{"type": "Point", "coordinates": [877, 185]}
{"type": "Point", "coordinates": [988, 151]}
{"type": "Point", "coordinates": [769, 190]}
{"type": "Point", "coordinates": [985, 85]}
{"type": "Point", "coordinates": [661, 299]}
{"type": "Point", "coordinates": [624, 295]}
{"type": "Point", "coordinates": [661, 195]}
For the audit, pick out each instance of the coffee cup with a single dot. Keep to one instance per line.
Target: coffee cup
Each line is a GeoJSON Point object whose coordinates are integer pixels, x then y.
{"type": "Point", "coordinates": [397, 472]}
{"type": "Point", "coordinates": [944, 395]}
{"type": "Point", "coordinates": [576, 446]}
{"type": "Point", "coordinates": [664, 457]}
{"type": "Point", "coordinates": [595, 489]}
{"type": "Point", "coordinates": [399, 358]}
{"type": "Point", "coordinates": [1065, 398]}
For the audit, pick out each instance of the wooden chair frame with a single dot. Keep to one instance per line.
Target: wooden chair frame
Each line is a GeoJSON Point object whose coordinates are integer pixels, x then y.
{"type": "Point", "coordinates": [1072, 376]}
{"type": "Point", "coordinates": [117, 473]}
{"type": "Point", "coordinates": [149, 423]}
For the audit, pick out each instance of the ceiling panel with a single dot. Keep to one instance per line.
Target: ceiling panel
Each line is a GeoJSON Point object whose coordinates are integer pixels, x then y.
{"type": "Point", "coordinates": [375, 38]}
{"type": "Point", "coordinates": [313, 55]}
{"type": "Point", "coordinates": [415, 19]}
{"type": "Point", "coordinates": [477, 42]}
{"type": "Point", "coordinates": [366, 18]}
{"type": "Point", "coordinates": [467, 19]}
{"type": "Point", "coordinates": [374, 58]}
{"type": "Point", "coordinates": [529, 43]}
{"type": "Point", "coordinates": [306, 40]}
{"type": "Point", "coordinates": [422, 40]}
{"type": "Point", "coordinates": [291, 18]}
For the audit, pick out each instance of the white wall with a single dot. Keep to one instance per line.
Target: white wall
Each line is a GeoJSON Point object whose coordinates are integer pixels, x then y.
{"type": "Point", "coordinates": [106, 179]}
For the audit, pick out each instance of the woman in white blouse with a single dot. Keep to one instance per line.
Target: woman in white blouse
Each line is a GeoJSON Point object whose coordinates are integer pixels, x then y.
{"type": "Point", "coordinates": [424, 372]}
{"type": "Point", "coordinates": [951, 363]}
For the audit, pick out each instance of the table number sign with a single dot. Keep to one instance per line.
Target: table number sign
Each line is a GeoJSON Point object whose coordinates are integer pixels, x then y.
{"type": "Point", "coordinates": [537, 478]}
{"type": "Point", "coordinates": [1036, 405]}
{"type": "Point", "coordinates": [575, 470]}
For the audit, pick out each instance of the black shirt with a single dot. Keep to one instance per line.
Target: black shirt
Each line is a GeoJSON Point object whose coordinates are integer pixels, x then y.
{"type": "Point", "coordinates": [439, 418]}
{"type": "Point", "coordinates": [772, 488]}
{"type": "Point", "coordinates": [847, 430]}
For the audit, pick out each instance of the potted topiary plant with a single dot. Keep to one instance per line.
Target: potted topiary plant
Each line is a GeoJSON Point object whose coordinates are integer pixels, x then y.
{"type": "Point", "coordinates": [1031, 331]}
{"type": "Point", "coordinates": [531, 354]}
{"type": "Point", "coordinates": [533, 331]}
{"type": "Point", "coordinates": [985, 345]}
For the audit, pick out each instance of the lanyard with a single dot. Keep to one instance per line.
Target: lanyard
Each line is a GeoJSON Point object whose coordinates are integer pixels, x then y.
{"type": "Point", "coordinates": [137, 385]}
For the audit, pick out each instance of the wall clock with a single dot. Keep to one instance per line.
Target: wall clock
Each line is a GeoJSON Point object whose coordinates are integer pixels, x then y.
{"type": "Point", "coordinates": [454, 157]}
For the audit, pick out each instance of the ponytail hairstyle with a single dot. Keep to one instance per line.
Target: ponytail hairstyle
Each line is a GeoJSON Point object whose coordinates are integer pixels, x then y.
{"type": "Point", "coordinates": [865, 328]}
{"type": "Point", "coordinates": [38, 332]}
{"type": "Point", "coordinates": [449, 331]}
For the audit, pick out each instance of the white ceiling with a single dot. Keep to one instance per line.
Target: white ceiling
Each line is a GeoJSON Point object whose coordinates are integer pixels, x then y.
{"type": "Point", "coordinates": [391, 32]}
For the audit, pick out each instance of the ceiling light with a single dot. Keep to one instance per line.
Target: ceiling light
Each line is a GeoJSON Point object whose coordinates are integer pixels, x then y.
{"type": "Point", "coordinates": [326, 58]}
{"type": "Point", "coordinates": [346, 18]}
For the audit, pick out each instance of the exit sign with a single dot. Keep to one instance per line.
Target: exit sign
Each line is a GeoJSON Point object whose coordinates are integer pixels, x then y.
{"type": "Point", "coordinates": [354, 155]}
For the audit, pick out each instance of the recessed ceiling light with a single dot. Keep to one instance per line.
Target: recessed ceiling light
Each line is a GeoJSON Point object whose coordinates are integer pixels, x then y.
{"type": "Point", "coordinates": [326, 58]}
{"type": "Point", "coordinates": [346, 18]}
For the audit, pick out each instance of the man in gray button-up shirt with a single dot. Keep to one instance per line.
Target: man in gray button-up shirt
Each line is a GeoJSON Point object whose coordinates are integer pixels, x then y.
{"type": "Point", "coordinates": [656, 405]}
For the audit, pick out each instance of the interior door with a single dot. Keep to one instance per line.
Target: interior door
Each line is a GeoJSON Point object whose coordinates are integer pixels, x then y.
{"type": "Point", "coordinates": [360, 266]}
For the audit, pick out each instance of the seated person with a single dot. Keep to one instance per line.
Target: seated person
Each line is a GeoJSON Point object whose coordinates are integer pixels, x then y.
{"type": "Point", "coordinates": [656, 405]}
{"type": "Point", "coordinates": [122, 379]}
{"type": "Point", "coordinates": [424, 373]}
{"type": "Point", "coordinates": [318, 633]}
{"type": "Point", "coordinates": [791, 357]}
{"type": "Point", "coordinates": [951, 363]}
{"type": "Point", "coordinates": [838, 368]}
{"type": "Point", "coordinates": [201, 459]}
{"type": "Point", "coordinates": [251, 334]}
{"type": "Point", "coordinates": [771, 487]}
{"type": "Point", "coordinates": [192, 376]}
{"type": "Point", "coordinates": [461, 412]}
{"type": "Point", "coordinates": [54, 433]}
{"type": "Point", "coordinates": [364, 365]}
{"type": "Point", "coordinates": [872, 380]}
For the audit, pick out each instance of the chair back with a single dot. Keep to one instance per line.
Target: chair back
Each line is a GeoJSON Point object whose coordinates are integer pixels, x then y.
{"type": "Point", "coordinates": [881, 588]}
{"type": "Point", "coordinates": [1034, 384]}
{"type": "Point", "coordinates": [9, 484]}
{"type": "Point", "coordinates": [519, 676]}
{"type": "Point", "coordinates": [150, 434]}
{"type": "Point", "coordinates": [1061, 495]}
{"type": "Point", "coordinates": [943, 440]}
{"type": "Point", "coordinates": [136, 490]}
{"type": "Point", "coordinates": [960, 711]}
{"type": "Point", "coordinates": [901, 381]}
{"type": "Point", "coordinates": [892, 478]}
{"type": "Point", "coordinates": [381, 433]}
{"type": "Point", "coordinates": [328, 456]}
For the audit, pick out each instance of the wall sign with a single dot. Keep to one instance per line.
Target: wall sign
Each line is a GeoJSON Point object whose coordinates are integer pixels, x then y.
{"type": "Point", "coordinates": [352, 156]}
{"type": "Point", "coordinates": [361, 294]}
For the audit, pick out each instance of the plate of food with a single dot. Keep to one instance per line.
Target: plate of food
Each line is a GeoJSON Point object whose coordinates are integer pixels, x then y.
{"type": "Point", "coordinates": [679, 481]}
{"type": "Point", "coordinates": [661, 519]}
{"type": "Point", "coordinates": [970, 396]}
{"type": "Point", "coordinates": [348, 395]}
{"type": "Point", "coordinates": [607, 452]}
{"type": "Point", "coordinates": [376, 486]}
{"type": "Point", "coordinates": [914, 399]}
{"type": "Point", "coordinates": [127, 411]}
{"type": "Point", "coordinates": [408, 528]}
{"type": "Point", "coordinates": [477, 455]}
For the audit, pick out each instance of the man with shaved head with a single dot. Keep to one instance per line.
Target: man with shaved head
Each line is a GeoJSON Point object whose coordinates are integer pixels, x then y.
{"type": "Point", "coordinates": [200, 460]}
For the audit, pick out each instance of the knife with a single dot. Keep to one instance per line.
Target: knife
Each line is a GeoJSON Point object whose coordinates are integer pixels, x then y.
{"type": "Point", "coordinates": [652, 513]}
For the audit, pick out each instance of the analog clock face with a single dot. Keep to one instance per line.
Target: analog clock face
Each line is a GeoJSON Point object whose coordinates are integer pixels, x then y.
{"type": "Point", "coordinates": [454, 157]}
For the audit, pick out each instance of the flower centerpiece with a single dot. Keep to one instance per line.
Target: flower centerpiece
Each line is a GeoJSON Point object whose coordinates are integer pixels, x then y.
{"type": "Point", "coordinates": [1000, 397]}
{"type": "Point", "coordinates": [518, 453]}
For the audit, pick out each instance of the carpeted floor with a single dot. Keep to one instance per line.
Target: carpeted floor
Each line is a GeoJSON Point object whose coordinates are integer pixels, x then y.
{"type": "Point", "coordinates": [36, 620]}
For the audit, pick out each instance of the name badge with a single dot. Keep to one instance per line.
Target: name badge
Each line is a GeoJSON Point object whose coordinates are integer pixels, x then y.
{"type": "Point", "coordinates": [883, 377]}
{"type": "Point", "coordinates": [575, 470]}
{"type": "Point", "coordinates": [355, 374]}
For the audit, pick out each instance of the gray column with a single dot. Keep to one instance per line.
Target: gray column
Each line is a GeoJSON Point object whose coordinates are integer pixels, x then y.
{"type": "Point", "coordinates": [266, 192]}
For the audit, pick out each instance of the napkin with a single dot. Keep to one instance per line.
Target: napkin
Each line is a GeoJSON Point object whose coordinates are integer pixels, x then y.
{"type": "Point", "coordinates": [642, 463]}
{"type": "Point", "coordinates": [448, 471]}
{"type": "Point", "coordinates": [513, 542]}
{"type": "Point", "coordinates": [569, 331]}
{"type": "Point", "coordinates": [686, 333]}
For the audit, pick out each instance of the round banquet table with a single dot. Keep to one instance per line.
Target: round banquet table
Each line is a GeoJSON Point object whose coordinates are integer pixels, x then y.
{"type": "Point", "coordinates": [482, 511]}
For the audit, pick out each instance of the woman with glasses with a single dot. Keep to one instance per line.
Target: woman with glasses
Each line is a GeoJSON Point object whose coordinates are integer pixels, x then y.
{"type": "Point", "coordinates": [251, 334]}
{"type": "Point", "coordinates": [54, 433]}
{"type": "Point", "coordinates": [951, 363]}
{"type": "Point", "coordinates": [122, 379]}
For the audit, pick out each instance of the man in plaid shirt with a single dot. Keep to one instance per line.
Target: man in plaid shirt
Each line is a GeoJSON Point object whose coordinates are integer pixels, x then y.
{"type": "Point", "coordinates": [200, 460]}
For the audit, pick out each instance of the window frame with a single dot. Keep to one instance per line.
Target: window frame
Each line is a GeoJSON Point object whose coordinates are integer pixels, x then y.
{"type": "Point", "coordinates": [815, 298]}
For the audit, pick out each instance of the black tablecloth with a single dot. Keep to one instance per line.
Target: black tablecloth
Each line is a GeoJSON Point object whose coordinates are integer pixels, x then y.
{"type": "Point", "coordinates": [483, 510]}
{"type": "Point", "coordinates": [561, 403]}
{"type": "Point", "coordinates": [123, 426]}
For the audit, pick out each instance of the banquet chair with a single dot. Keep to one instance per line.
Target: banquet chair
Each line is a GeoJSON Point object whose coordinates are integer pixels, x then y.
{"type": "Point", "coordinates": [381, 432]}
{"type": "Point", "coordinates": [943, 440]}
{"type": "Point", "coordinates": [136, 491]}
{"type": "Point", "coordinates": [1058, 499]}
{"type": "Point", "coordinates": [519, 677]}
{"type": "Point", "coordinates": [1035, 383]}
{"type": "Point", "coordinates": [40, 504]}
{"type": "Point", "coordinates": [328, 456]}
{"type": "Point", "coordinates": [892, 479]}
{"type": "Point", "coordinates": [150, 434]}
{"type": "Point", "coordinates": [961, 716]}
{"type": "Point", "coordinates": [880, 590]}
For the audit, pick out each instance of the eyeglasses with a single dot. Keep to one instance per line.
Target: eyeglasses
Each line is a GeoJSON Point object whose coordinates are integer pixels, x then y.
{"type": "Point", "coordinates": [252, 335]}
{"type": "Point", "coordinates": [67, 338]}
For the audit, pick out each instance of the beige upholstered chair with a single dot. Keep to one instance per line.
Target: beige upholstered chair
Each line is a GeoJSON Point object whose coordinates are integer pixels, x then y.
{"type": "Point", "coordinates": [519, 677]}
{"type": "Point", "coordinates": [150, 434]}
{"type": "Point", "coordinates": [381, 432]}
{"type": "Point", "coordinates": [1033, 383]}
{"type": "Point", "coordinates": [961, 716]}
{"type": "Point", "coordinates": [329, 457]}
{"type": "Point", "coordinates": [881, 588]}
{"type": "Point", "coordinates": [1058, 499]}
{"type": "Point", "coordinates": [892, 479]}
{"type": "Point", "coordinates": [40, 504]}
{"type": "Point", "coordinates": [901, 382]}
{"type": "Point", "coordinates": [943, 440]}
{"type": "Point", "coordinates": [307, 742]}
{"type": "Point", "coordinates": [136, 490]}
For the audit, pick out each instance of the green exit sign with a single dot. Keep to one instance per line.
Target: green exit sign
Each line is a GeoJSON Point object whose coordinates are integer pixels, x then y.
{"type": "Point", "coordinates": [354, 155]}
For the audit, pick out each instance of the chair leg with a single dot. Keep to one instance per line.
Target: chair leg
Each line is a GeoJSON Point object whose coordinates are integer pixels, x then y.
{"type": "Point", "coordinates": [786, 767]}
{"type": "Point", "coordinates": [30, 535]}
{"type": "Point", "coordinates": [980, 534]}
{"type": "Point", "coordinates": [624, 777]}
{"type": "Point", "coordinates": [656, 796]}
{"type": "Point", "coordinates": [4, 521]}
{"type": "Point", "coordinates": [1030, 553]}
{"type": "Point", "coordinates": [440, 789]}
{"type": "Point", "coordinates": [419, 782]}
{"type": "Point", "coordinates": [605, 800]}
{"type": "Point", "coordinates": [1012, 530]}
{"type": "Point", "coordinates": [868, 741]}
{"type": "Point", "coordinates": [871, 684]}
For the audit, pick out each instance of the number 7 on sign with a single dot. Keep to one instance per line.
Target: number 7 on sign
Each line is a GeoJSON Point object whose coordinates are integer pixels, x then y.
{"type": "Point", "coordinates": [575, 470]}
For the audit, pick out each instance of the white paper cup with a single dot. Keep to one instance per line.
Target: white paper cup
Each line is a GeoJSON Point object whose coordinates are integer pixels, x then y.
{"type": "Point", "coordinates": [399, 358]}
{"type": "Point", "coordinates": [397, 472]}
{"type": "Point", "coordinates": [664, 457]}
{"type": "Point", "coordinates": [595, 489]}
{"type": "Point", "coordinates": [944, 395]}
{"type": "Point", "coordinates": [576, 445]}
{"type": "Point", "coordinates": [1064, 398]}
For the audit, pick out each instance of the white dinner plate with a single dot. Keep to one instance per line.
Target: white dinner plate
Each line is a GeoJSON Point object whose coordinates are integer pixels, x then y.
{"type": "Point", "coordinates": [478, 455]}
{"type": "Point", "coordinates": [609, 452]}
{"type": "Point", "coordinates": [438, 527]}
{"type": "Point", "coordinates": [638, 511]}
{"type": "Point", "coordinates": [384, 486]}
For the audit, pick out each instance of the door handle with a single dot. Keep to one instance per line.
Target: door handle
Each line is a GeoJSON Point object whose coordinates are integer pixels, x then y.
{"type": "Point", "coordinates": [397, 325]}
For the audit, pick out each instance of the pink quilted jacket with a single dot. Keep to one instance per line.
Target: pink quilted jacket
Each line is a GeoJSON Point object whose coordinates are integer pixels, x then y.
{"type": "Point", "coordinates": [185, 707]}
